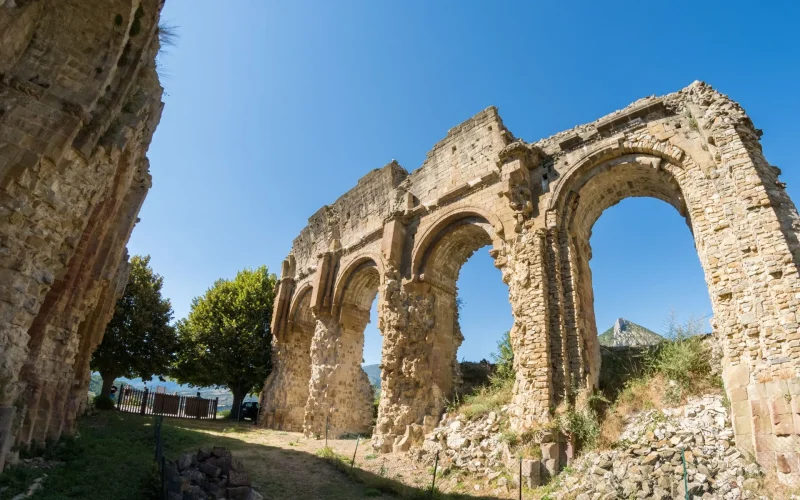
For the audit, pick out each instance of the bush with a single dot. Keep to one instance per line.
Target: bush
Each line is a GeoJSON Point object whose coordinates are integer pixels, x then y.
{"type": "Point", "coordinates": [504, 358]}
{"type": "Point", "coordinates": [103, 403]}
{"type": "Point", "coordinates": [683, 358]}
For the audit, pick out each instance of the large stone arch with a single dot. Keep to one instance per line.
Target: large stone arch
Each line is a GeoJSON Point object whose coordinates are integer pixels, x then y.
{"type": "Point", "coordinates": [536, 204]}
{"type": "Point", "coordinates": [340, 393]}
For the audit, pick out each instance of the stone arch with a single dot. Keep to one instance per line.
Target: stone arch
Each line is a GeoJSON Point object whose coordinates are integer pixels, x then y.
{"type": "Point", "coordinates": [356, 281]}
{"type": "Point", "coordinates": [437, 261]}
{"type": "Point", "coordinates": [340, 392]}
{"type": "Point", "coordinates": [300, 308]}
{"type": "Point", "coordinates": [471, 222]}
{"type": "Point", "coordinates": [658, 152]}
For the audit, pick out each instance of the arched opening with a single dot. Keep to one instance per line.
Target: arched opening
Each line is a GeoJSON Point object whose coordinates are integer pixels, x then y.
{"type": "Point", "coordinates": [484, 319]}
{"type": "Point", "coordinates": [644, 265]}
{"type": "Point", "coordinates": [648, 180]}
{"type": "Point", "coordinates": [373, 350]}
{"type": "Point", "coordinates": [452, 243]}
{"type": "Point", "coordinates": [355, 394]}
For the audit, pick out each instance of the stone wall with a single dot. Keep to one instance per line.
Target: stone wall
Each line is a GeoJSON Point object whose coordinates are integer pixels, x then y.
{"type": "Point", "coordinates": [404, 238]}
{"type": "Point", "coordinates": [79, 102]}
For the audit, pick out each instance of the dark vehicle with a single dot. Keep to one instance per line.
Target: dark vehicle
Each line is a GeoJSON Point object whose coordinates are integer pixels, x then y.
{"type": "Point", "coordinates": [249, 410]}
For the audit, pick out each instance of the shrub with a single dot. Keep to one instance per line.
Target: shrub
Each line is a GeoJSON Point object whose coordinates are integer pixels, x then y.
{"type": "Point", "coordinates": [103, 402]}
{"type": "Point", "coordinates": [504, 358]}
{"type": "Point", "coordinates": [684, 357]}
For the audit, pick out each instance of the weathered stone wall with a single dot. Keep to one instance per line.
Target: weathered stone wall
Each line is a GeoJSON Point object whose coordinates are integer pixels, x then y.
{"type": "Point", "coordinates": [405, 237]}
{"type": "Point", "coordinates": [79, 102]}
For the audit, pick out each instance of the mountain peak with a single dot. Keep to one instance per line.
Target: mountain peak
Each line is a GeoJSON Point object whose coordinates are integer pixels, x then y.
{"type": "Point", "coordinates": [628, 333]}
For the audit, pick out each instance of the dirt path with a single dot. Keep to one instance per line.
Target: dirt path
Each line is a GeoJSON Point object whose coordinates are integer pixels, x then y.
{"type": "Point", "coordinates": [285, 465]}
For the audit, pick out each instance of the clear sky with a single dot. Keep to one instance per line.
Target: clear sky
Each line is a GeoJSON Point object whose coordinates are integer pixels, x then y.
{"type": "Point", "coordinates": [276, 108]}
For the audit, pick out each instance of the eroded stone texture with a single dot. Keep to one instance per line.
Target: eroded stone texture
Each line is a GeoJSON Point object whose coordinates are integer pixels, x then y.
{"type": "Point", "coordinates": [534, 205]}
{"type": "Point", "coordinates": [79, 102]}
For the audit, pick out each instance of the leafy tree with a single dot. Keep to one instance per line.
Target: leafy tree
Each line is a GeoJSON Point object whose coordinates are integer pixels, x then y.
{"type": "Point", "coordinates": [226, 340]}
{"type": "Point", "coordinates": [504, 358]}
{"type": "Point", "coordinates": [139, 341]}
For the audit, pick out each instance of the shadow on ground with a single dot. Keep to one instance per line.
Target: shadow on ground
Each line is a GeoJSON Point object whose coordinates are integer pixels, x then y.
{"type": "Point", "coordinates": [112, 457]}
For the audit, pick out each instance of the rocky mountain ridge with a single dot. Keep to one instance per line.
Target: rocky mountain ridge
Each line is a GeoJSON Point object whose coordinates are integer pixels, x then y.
{"type": "Point", "coordinates": [626, 333]}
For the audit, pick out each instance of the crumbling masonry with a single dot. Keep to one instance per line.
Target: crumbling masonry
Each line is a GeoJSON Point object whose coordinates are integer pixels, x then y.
{"type": "Point", "coordinates": [404, 237]}
{"type": "Point", "coordinates": [79, 101]}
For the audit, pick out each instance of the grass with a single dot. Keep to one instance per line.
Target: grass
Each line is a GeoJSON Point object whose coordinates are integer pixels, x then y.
{"type": "Point", "coordinates": [110, 457]}
{"type": "Point", "coordinates": [484, 399]}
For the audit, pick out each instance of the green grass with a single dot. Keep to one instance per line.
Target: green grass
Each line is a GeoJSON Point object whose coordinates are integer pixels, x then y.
{"type": "Point", "coordinates": [484, 399]}
{"type": "Point", "coordinates": [111, 456]}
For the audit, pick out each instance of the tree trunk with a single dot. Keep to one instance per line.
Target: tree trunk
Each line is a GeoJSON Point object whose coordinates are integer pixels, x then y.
{"type": "Point", "coordinates": [238, 397]}
{"type": "Point", "coordinates": [108, 381]}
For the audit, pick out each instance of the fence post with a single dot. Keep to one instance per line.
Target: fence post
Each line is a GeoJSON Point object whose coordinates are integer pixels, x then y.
{"type": "Point", "coordinates": [144, 401]}
{"type": "Point", "coordinates": [353, 462]}
{"type": "Point", "coordinates": [216, 402]}
{"type": "Point", "coordinates": [326, 431]}
{"type": "Point", "coordinates": [435, 466]}
{"type": "Point", "coordinates": [119, 397]}
{"type": "Point", "coordinates": [685, 479]}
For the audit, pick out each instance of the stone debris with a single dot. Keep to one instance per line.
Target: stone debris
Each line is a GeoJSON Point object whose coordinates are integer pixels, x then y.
{"type": "Point", "coordinates": [208, 475]}
{"type": "Point", "coordinates": [647, 463]}
{"type": "Point", "coordinates": [474, 446]}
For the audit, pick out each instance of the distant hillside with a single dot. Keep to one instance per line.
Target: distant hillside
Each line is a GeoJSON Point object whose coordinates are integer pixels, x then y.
{"type": "Point", "coordinates": [628, 333]}
{"type": "Point", "coordinates": [374, 374]}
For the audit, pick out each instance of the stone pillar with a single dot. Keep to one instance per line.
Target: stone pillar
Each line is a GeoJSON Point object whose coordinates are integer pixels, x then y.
{"type": "Point", "coordinates": [410, 393]}
{"type": "Point", "coordinates": [339, 390]}
{"type": "Point", "coordinates": [528, 286]}
{"type": "Point", "coordinates": [286, 389]}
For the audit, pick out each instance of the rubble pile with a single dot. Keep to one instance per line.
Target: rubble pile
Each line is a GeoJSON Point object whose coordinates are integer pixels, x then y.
{"type": "Point", "coordinates": [208, 475]}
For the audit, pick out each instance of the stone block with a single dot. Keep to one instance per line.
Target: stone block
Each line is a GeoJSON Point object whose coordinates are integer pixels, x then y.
{"type": "Point", "coordinates": [550, 451]}
{"type": "Point", "coordinates": [531, 472]}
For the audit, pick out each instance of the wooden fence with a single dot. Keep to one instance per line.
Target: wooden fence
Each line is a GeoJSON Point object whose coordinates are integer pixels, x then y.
{"type": "Point", "coordinates": [145, 402]}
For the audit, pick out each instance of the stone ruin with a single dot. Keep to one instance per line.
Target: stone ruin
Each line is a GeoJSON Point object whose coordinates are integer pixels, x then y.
{"type": "Point", "coordinates": [79, 101]}
{"type": "Point", "coordinates": [403, 238]}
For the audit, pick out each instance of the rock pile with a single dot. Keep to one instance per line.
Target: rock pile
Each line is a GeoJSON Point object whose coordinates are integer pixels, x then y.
{"type": "Point", "coordinates": [475, 445]}
{"type": "Point", "coordinates": [208, 475]}
{"type": "Point", "coordinates": [647, 463]}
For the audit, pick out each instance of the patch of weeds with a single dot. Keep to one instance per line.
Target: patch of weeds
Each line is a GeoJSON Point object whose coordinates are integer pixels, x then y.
{"type": "Point", "coordinates": [371, 456]}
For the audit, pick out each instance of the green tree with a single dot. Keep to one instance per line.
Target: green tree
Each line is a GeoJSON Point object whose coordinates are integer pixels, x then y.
{"type": "Point", "coordinates": [139, 341]}
{"type": "Point", "coordinates": [226, 340]}
{"type": "Point", "coordinates": [504, 358]}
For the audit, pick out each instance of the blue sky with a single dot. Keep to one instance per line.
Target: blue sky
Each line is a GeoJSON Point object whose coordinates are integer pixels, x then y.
{"type": "Point", "coordinates": [276, 108]}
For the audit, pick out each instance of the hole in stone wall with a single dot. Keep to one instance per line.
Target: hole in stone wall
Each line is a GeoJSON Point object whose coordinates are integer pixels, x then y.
{"type": "Point", "coordinates": [643, 266]}
{"type": "Point", "coordinates": [484, 317]}
{"type": "Point", "coordinates": [373, 349]}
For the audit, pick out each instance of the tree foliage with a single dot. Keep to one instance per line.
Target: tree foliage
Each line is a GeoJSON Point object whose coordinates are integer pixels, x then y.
{"type": "Point", "coordinates": [138, 341]}
{"type": "Point", "coordinates": [504, 358]}
{"type": "Point", "coordinates": [226, 339]}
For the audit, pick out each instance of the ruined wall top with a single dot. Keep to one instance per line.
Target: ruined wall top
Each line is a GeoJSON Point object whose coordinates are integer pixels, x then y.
{"type": "Point", "coordinates": [468, 159]}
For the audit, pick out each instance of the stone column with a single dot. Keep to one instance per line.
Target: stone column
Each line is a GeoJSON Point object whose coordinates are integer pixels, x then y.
{"type": "Point", "coordinates": [411, 396]}
{"type": "Point", "coordinates": [528, 286]}
{"type": "Point", "coordinates": [338, 389]}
